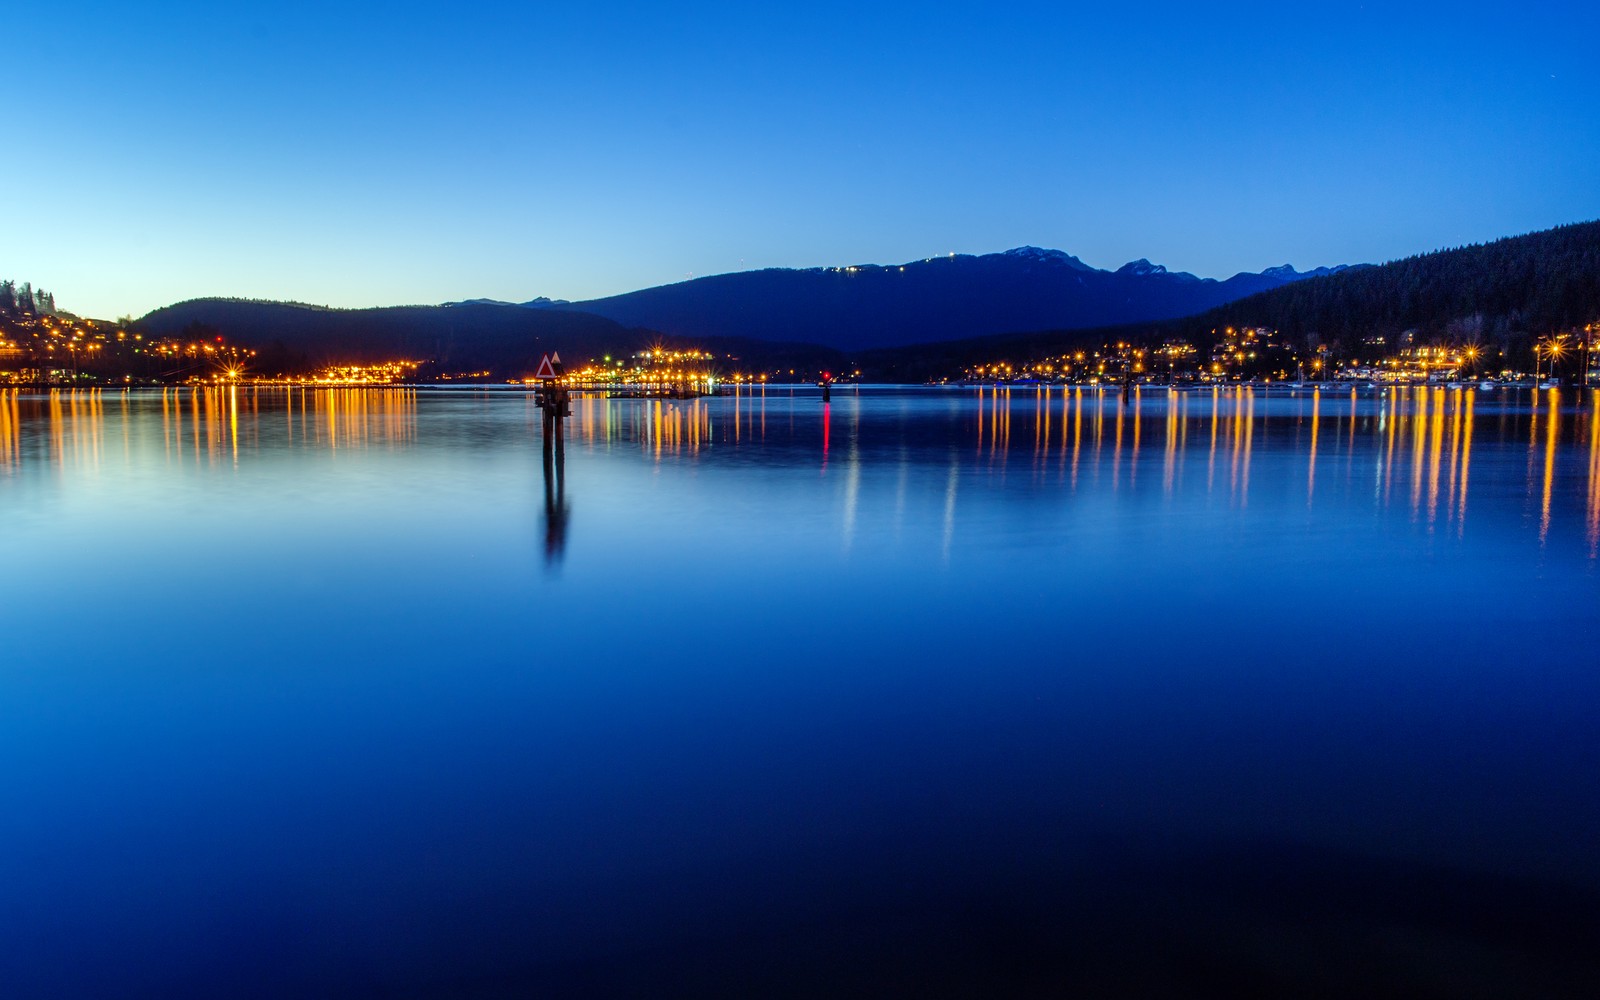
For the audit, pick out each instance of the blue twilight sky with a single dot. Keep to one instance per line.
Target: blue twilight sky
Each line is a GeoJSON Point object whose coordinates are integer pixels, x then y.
{"type": "Point", "coordinates": [415, 152]}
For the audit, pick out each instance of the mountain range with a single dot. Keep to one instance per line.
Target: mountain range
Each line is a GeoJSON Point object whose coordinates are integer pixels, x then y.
{"type": "Point", "coordinates": [1501, 296]}
{"type": "Point", "coordinates": [866, 306]}
{"type": "Point", "coordinates": [781, 316]}
{"type": "Point", "coordinates": [917, 320]}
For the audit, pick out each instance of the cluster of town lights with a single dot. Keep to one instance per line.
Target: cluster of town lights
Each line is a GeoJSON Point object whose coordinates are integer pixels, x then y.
{"type": "Point", "coordinates": [1259, 354]}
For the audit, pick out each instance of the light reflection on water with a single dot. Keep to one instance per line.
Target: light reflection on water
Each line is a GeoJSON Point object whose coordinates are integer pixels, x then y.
{"type": "Point", "coordinates": [349, 690]}
{"type": "Point", "coordinates": [1413, 446]}
{"type": "Point", "coordinates": [1406, 446]}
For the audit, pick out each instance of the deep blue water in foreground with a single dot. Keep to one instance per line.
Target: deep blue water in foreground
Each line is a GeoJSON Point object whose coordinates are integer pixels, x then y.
{"type": "Point", "coordinates": [919, 693]}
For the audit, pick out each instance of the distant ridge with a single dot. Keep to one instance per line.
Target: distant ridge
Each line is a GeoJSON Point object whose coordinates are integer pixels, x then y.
{"type": "Point", "coordinates": [504, 339]}
{"type": "Point", "coordinates": [1503, 291]}
{"type": "Point", "coordinates": [867, 306]}
{"type": "Point", "coordinates": [541, 302]}
{"type": "Point", "coordinates": [1501, 295]}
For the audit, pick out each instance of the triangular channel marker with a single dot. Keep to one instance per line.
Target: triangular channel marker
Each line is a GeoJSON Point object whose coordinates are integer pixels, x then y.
{"type": "Point", "coordinates": [555, 357]}
{"type": "Point", "coordinates": [545, 369]}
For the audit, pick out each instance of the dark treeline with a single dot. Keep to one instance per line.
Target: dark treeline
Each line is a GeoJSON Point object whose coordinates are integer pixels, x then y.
{"type": "Point", "coordinates": [25, 300]}
{"type": "Point", "coordinates": [503, 341]}
{"type": "Point", "coordinates": [1500, 296]}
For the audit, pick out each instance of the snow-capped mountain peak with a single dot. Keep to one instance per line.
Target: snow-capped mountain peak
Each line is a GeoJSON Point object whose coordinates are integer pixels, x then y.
{"type": "Point", "coordinates": [1141, 268]}
{"type": "Point", "coordinates": [1044, 256]}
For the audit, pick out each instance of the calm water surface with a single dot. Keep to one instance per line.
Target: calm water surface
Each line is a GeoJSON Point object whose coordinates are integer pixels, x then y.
{"type": "Point", "coordinates": [917, 693]}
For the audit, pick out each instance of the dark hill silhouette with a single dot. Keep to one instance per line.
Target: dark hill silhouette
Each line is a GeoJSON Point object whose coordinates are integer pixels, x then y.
{"type": "Point", "coordinates": [506, 340]}
{"type": "Point", "coordinates": [1501, 295]}
{"type": "Point", "coordinates": [941, 298]}
{"type": "Point", "coordinates": [503, 339]}
{"type": "Point", "coordinates": [1511, 288]}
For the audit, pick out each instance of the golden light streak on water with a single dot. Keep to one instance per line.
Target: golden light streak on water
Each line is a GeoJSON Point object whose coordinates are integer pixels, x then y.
{"type": "Point", "coordinates": [1435, 452]}
{"type": "Point", "coordinates": [1077, 435]}
{"type": "Point", "coordinates": [195, 420]}
{"type": "Point", "coordinates": [1466, 466]}
{"type": "Point", "coordinates": [1249, 438]}
{"type": "Point", "coordinates": [994, 421]}
{"type": "Point", "coordinates": [82, 430]}
{"type": "Point", "coordinates": [1419, 437]}
{"type": "Point", "coordinates": [331, 417]}
{"type": "Point", "coordinates": [1311, 459]}
{"type": "Point", "coordinates": [80, 427]}
{"type": "Point", "coordinates": [1005, 436]}
{"type": "Point", "coordinates": [10, 431]}
{"type": "Point", "coordinates": [325, 417]}
{"type": "Point", "coordinates": [1594, 475]}
{"type": "Point", "coordinates": [233, 420]}
{"type": "Point", "coordinates": [208, 405]}
{"type": "Point", "coordinates": [58, 445]}
{"type": "Point", "coordinates": [1133, 457]}
{"type": "Point", "coordinates": [1170, 463]}
{"type": "Point", "coordinates": [1389, 422]}
{"type": "Point", "coordinates": [1552, 428]}
{"type": "Point", "coordinates": [1463, 401]}
{"type": "Point", "coordinates": [1236, 447]}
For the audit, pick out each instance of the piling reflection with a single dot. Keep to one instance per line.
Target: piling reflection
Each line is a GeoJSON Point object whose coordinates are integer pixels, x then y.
{"type": "Point", "coordinates": [556, 510]}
